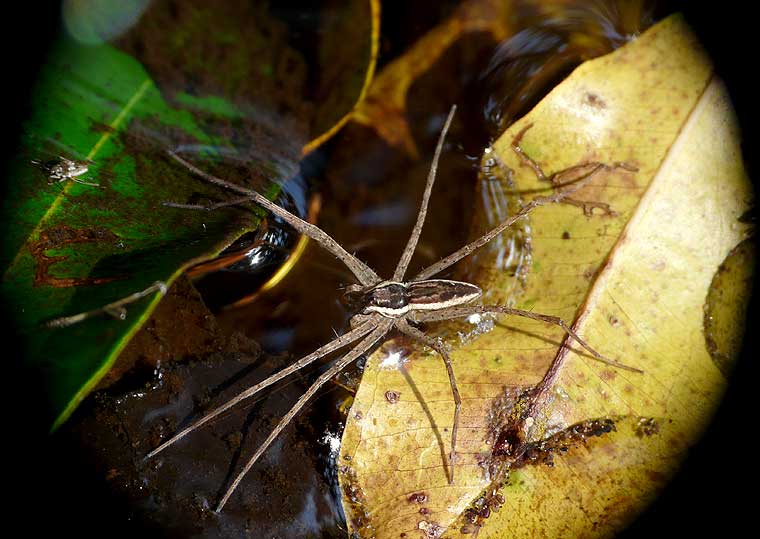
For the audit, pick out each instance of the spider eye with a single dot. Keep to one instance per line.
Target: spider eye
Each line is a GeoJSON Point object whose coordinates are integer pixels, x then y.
{"type": "Point", "coordinates": [355, 298]}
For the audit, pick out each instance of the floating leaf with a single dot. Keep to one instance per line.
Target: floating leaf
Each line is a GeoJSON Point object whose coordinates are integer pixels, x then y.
{"type": "Point", "coordinates": [114, 108]}
{"type": "Point", "coordinates": [633, 281]}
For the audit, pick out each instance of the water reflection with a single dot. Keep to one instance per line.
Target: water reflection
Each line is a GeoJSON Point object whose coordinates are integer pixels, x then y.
{"type": "Point", "coordinates": [555, 39]}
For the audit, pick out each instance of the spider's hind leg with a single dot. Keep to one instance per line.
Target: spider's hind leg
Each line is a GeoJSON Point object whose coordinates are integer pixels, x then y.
{"type": "Point", "coordinates": [405, 327]}
{"type": "Point", "coordinates": [364, 345]}
{"type": "Point", "coordinates": [459, 312]}
{"type": "Point", "coordinates": [337, 343]}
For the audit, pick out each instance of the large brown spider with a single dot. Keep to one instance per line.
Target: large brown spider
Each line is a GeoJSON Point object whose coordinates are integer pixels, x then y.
{"type": "Point", "coordinates": [384, 305]}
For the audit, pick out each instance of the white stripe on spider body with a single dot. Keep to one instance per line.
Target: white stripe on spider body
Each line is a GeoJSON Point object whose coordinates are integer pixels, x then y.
{"type": "Point", "coordinates": [394, 299]}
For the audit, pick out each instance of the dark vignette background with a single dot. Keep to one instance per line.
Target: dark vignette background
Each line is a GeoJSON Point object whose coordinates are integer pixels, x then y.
{"type": "Point", "coordinates": [710, 494]}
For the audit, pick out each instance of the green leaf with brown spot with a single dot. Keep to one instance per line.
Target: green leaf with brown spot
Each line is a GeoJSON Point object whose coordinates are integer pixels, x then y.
{"type": "Point", "coordinates": [242, 90]}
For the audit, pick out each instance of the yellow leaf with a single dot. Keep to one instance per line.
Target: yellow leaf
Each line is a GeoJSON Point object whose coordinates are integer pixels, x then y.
{"type": "Point", "coordinates": [634, 284]}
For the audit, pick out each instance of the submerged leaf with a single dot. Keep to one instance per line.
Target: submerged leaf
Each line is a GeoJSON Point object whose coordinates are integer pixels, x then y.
{"type": "Point", "coordinates": [385, 108]}
{"type": "Point", "coordinates": [109, 111]}
{"type": "Point", "coordinates": [632, 280]}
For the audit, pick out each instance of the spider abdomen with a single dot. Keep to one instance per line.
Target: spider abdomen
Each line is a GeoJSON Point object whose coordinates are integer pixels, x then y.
{"type": "Point", "coordinates": [435, 294]}
{"type": "Point", "coordinates": [393, 299]}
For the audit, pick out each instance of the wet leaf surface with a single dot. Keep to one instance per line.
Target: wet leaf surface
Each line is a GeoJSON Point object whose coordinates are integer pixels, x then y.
{"type": "Point", "coordinates": [727, 303]}
{"type": "Point", "coordinates": [633, 281]}
{"type": "Point", "coordinates": [243, 91]}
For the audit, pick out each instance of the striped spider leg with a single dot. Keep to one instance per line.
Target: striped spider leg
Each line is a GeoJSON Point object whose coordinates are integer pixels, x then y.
{"type": "Point", "coordinates": [384, 305]}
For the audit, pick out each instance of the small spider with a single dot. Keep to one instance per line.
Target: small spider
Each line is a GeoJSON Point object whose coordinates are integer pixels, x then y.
{"type": "Point", "coordinates": [62, 169]}
{"type": "Point", "coordinates": [396, 303]}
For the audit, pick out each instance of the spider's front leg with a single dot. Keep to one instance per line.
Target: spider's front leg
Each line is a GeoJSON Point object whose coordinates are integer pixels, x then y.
{"type": "Point", "coordinates": [576, 172]}
{"type": "Point", "coordinates": [363, 273]}
{"type": "Point", "coordinates": [209, 207]}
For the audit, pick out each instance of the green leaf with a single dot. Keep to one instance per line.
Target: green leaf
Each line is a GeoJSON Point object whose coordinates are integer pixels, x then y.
{"type": "Point", "coordinates": [70, 248]}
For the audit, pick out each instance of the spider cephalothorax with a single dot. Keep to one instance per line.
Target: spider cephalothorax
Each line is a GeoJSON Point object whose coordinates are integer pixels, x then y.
{"type": "Point", "coordinates": [383, 305]}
